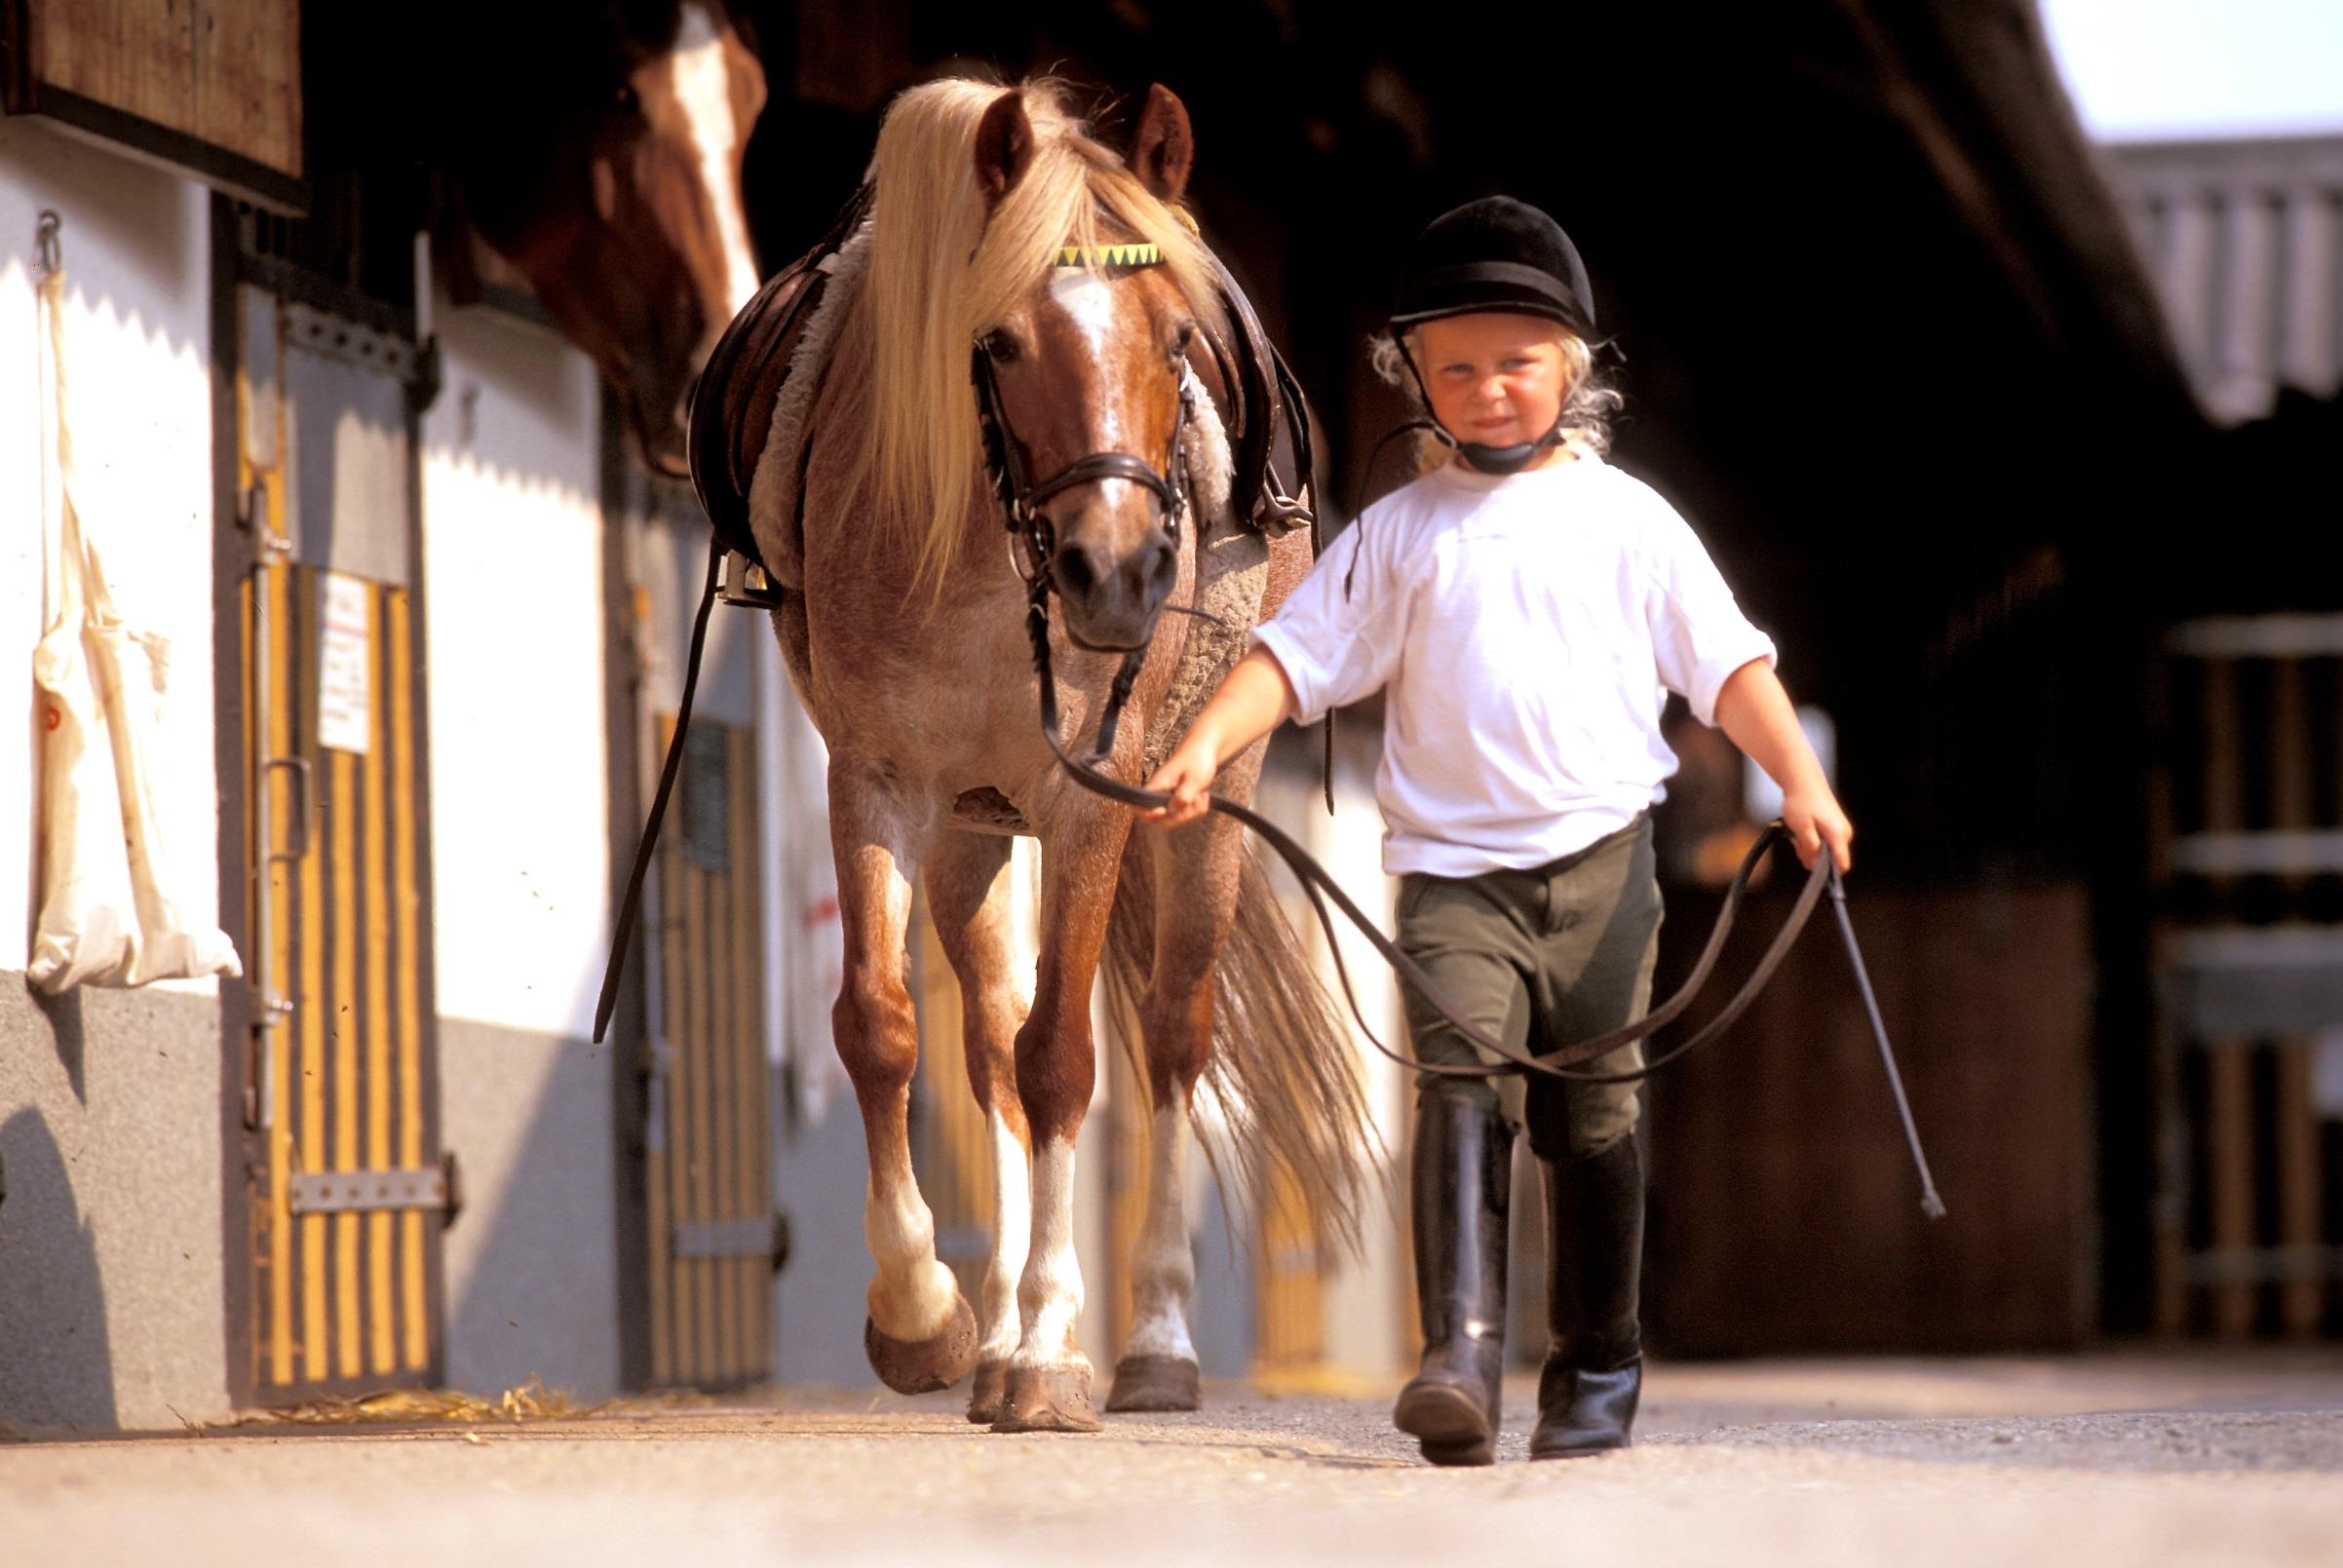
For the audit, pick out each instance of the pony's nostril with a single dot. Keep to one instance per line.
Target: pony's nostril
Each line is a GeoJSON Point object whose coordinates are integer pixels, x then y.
{"type": "Point", "coordinates": [1162, 571]}
{"type": "Point", "coordinates": [1073, 568]}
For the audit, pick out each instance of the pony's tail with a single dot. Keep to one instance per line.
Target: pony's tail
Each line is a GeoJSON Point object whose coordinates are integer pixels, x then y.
{"type": "Point", "coordinates": [1283, 1070]}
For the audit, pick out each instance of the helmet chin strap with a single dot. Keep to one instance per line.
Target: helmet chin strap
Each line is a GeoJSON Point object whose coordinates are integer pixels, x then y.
{"type": "Point", "coordinates": [1487, 459]}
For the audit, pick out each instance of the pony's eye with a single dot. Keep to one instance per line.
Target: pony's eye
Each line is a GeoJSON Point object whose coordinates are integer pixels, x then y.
{"type": "Point", "coordinates": [999, 345]}
{"type": "Point", "coordinates": [1182, 339]}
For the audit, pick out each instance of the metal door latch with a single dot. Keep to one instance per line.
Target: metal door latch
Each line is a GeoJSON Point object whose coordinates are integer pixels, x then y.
{"type": "Point", "coordinates": [358, 1191]}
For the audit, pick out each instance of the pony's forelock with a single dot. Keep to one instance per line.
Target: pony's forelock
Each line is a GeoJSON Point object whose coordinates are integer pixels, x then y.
{"type": "Point", "coordinates": [942, 273]}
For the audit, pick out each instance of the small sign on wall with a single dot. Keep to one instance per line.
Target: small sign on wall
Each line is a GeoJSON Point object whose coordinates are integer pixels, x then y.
{"type": "Point", "coordinates": [345, 666]}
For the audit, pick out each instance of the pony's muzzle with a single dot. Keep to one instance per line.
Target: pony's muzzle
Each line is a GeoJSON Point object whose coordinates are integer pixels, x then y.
{"type": "Point", "coordinates": [1111, 599]}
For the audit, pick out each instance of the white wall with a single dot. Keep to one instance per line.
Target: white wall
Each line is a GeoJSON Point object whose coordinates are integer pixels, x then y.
{"type": "Point", "coordinates": [137, 333]}
{"type": "Point", "coordinates": [511, 571]}
{"type": "Point", "coordinates": [111, 1295]}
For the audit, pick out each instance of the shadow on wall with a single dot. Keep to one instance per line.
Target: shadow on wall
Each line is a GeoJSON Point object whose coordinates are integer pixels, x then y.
{"type": "Point", "coordinates": [533, 1260]}
{"type": "Point", "coordinates": [56, 1369]}
{"type": "Point", "coordinates": [63, 1014]}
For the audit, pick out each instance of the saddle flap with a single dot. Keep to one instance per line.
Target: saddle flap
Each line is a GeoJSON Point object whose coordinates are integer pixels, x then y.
{"type": "Point", "coordinates": [733, 400]}
{"type": "Point", "coordinates": [1271, 423]}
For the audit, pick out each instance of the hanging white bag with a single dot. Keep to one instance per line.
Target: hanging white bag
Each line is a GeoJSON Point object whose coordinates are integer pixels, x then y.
{"type": "Point", "coordinates": [109, 915]}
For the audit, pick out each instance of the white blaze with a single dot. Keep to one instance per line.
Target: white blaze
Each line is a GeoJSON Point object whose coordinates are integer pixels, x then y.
{"type": "Point", "coordinates": [1090, 304]}
{"type": "Point", "coordinates": [703, 86]}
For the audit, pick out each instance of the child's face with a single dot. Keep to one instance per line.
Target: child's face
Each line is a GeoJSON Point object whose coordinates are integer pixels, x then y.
{"type": "Point", "coordinates": [1495, 379]}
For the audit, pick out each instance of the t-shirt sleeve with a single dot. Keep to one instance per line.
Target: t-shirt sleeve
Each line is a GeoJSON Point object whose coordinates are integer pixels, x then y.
{"type": "Point", "coordinates": [1337, 647]}
{"type": "Point", "coordinates": [1697, 632]}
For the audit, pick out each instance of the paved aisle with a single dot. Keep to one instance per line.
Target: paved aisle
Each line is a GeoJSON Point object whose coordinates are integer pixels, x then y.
{"type": "Point", "coordinates": [2116, 1461]}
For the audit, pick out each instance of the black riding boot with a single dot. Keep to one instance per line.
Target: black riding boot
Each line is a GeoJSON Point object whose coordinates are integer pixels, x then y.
{"type": "Point", "coordinates": [1593, 1250]}
{"type": "Point", "coordinates": [1462, 1177]}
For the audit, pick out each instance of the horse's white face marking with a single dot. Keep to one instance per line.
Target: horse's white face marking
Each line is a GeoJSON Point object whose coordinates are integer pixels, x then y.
{"type": "Point", "coordinates": [704, 88]}
{"type": "Point", "coordinates": [1089, 303]}
{"type": "Point", "coordinates": [1012, 1236]}
{"type": "Point", "coordinates": [1050, 1294]}
{"type": "Point", "coordinates": [1163, 1270]}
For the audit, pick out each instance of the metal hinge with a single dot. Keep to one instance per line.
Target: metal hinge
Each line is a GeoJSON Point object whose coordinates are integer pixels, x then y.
{"type": "Point", "coordinates": [355, 1192]}
{"type": "Point", "coordinates": [734, 1239]}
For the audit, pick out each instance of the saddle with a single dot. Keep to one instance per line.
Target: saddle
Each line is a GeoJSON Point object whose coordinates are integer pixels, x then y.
{"type": "Point", "coordinates": [732, 404]}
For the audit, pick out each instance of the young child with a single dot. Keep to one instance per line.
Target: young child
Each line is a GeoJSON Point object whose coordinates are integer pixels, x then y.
{"type": "Point", "coordinates": [1525, 603]}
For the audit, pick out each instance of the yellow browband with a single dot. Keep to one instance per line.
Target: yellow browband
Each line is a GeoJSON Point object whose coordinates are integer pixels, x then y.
{"type": "Point", "coordinates": [1109, 255]}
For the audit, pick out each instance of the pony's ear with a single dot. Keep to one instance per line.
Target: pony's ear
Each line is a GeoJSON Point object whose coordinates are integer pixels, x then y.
{"type": "Point", "coordinates": [1165, 149]}
{"type": "Point", "coordinates": [1004, 146]}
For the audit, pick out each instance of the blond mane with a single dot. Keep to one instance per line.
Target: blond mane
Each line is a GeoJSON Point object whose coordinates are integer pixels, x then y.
{"type": "Point", "coordinates": [942, 273]}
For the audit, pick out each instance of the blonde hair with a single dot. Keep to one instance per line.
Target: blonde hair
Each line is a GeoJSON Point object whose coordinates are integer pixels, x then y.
{"type": "Point", "coordinates": [1588, 403]}
{"type": "Point", "coordinates": [943, 270]}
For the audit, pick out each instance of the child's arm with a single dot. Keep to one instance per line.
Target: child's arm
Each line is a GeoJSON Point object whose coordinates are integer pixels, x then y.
{"type": "Point", "coordinates": [1755, 710]}
{"type": "Point", "coordinates": [1253, 699]}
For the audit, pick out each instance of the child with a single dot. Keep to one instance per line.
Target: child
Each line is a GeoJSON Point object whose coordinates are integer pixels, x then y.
{"type": "Point", "coordinates": [1525, 603]}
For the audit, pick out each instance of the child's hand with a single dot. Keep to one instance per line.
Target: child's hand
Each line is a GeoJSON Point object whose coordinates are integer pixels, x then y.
{"type": "Point", "coordinates": [1187, 774]}
{"type": "Point", "coordinates": [1815, 817]}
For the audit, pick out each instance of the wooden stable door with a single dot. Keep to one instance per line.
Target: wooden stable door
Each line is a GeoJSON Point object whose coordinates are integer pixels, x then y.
{"type": "Point", "coordinates": [345, 1193]}
{"type": "Point", "coordinates": [2246, 846]}
{"type": "Point", "coordinates": [708, 1154]}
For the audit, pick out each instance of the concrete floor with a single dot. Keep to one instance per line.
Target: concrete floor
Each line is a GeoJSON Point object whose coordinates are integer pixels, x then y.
{"type": "Point", "coordinates": [2106, 1459]}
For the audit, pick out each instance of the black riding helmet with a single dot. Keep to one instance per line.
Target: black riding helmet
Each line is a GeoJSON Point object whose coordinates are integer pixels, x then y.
{"type": "Point", "coordinates": [1497, 254]}
{"type": "Point", "coordinates": [1494, 254]}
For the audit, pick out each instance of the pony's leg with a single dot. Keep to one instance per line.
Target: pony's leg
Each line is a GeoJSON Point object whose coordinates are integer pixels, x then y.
{"type": "Point", "coordinates": [1195, 878]}
{"type": "Point", "coordinates": [920, 1335]}
{"type": "Point", "coordinates": [968, 886]}
{"type": "Point", "coordinates": [1049, 1378]}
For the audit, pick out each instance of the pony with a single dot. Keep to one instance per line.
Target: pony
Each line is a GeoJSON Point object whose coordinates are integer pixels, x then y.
{"type": "Point", "coordinates": [999, 225]}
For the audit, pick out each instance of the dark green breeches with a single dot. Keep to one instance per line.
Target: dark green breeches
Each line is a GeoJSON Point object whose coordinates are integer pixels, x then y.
{"type": "Point", "coordinates": [1540, 958]}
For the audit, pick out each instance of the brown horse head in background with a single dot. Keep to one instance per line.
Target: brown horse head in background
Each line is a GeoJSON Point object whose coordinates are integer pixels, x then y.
{"type": "Point", "coordinates": [597, 148]}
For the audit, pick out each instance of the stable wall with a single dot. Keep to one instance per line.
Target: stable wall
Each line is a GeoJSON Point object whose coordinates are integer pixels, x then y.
{"type": "Point", "coordinates": [111, 1296]}
{"type": "Point", "coordinates": [513, 606]}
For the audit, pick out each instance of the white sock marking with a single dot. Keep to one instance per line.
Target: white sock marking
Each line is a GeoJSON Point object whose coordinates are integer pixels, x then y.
{"type": "Point", "coordinates": [911, 1297]}
{"type": "Point", "coordinates": [1163, 1268]}
{"type": "Point", "coordinates": [1012, 1237]}
{"type": "Point", "coordinates": [1051, 1293]}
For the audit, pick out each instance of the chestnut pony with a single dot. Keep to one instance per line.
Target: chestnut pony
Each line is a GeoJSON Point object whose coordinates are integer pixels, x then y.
{"type": "Point", "coordinates": [904, 630]}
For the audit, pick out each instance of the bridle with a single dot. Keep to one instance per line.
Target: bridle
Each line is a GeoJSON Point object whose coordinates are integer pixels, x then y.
{"type": "Point", "coordinates": [1029, 529]}
{"type": "Point", "coordinates": [1021, 498]}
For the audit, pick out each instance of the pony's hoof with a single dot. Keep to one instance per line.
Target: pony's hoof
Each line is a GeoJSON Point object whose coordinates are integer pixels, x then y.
{"type": "Point", "coordinates": [1153, 1383]}
{"type": "Point", "coordinates": [929, 1364]}
{"type": "Point", "coordinates": [988, 1400]}
{"type": "Point", "coordinates": [1048, 1398]}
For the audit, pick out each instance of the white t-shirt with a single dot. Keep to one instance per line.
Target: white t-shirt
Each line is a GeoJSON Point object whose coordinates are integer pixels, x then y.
{"type": "Point", "coordinates": [1526, 626]}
